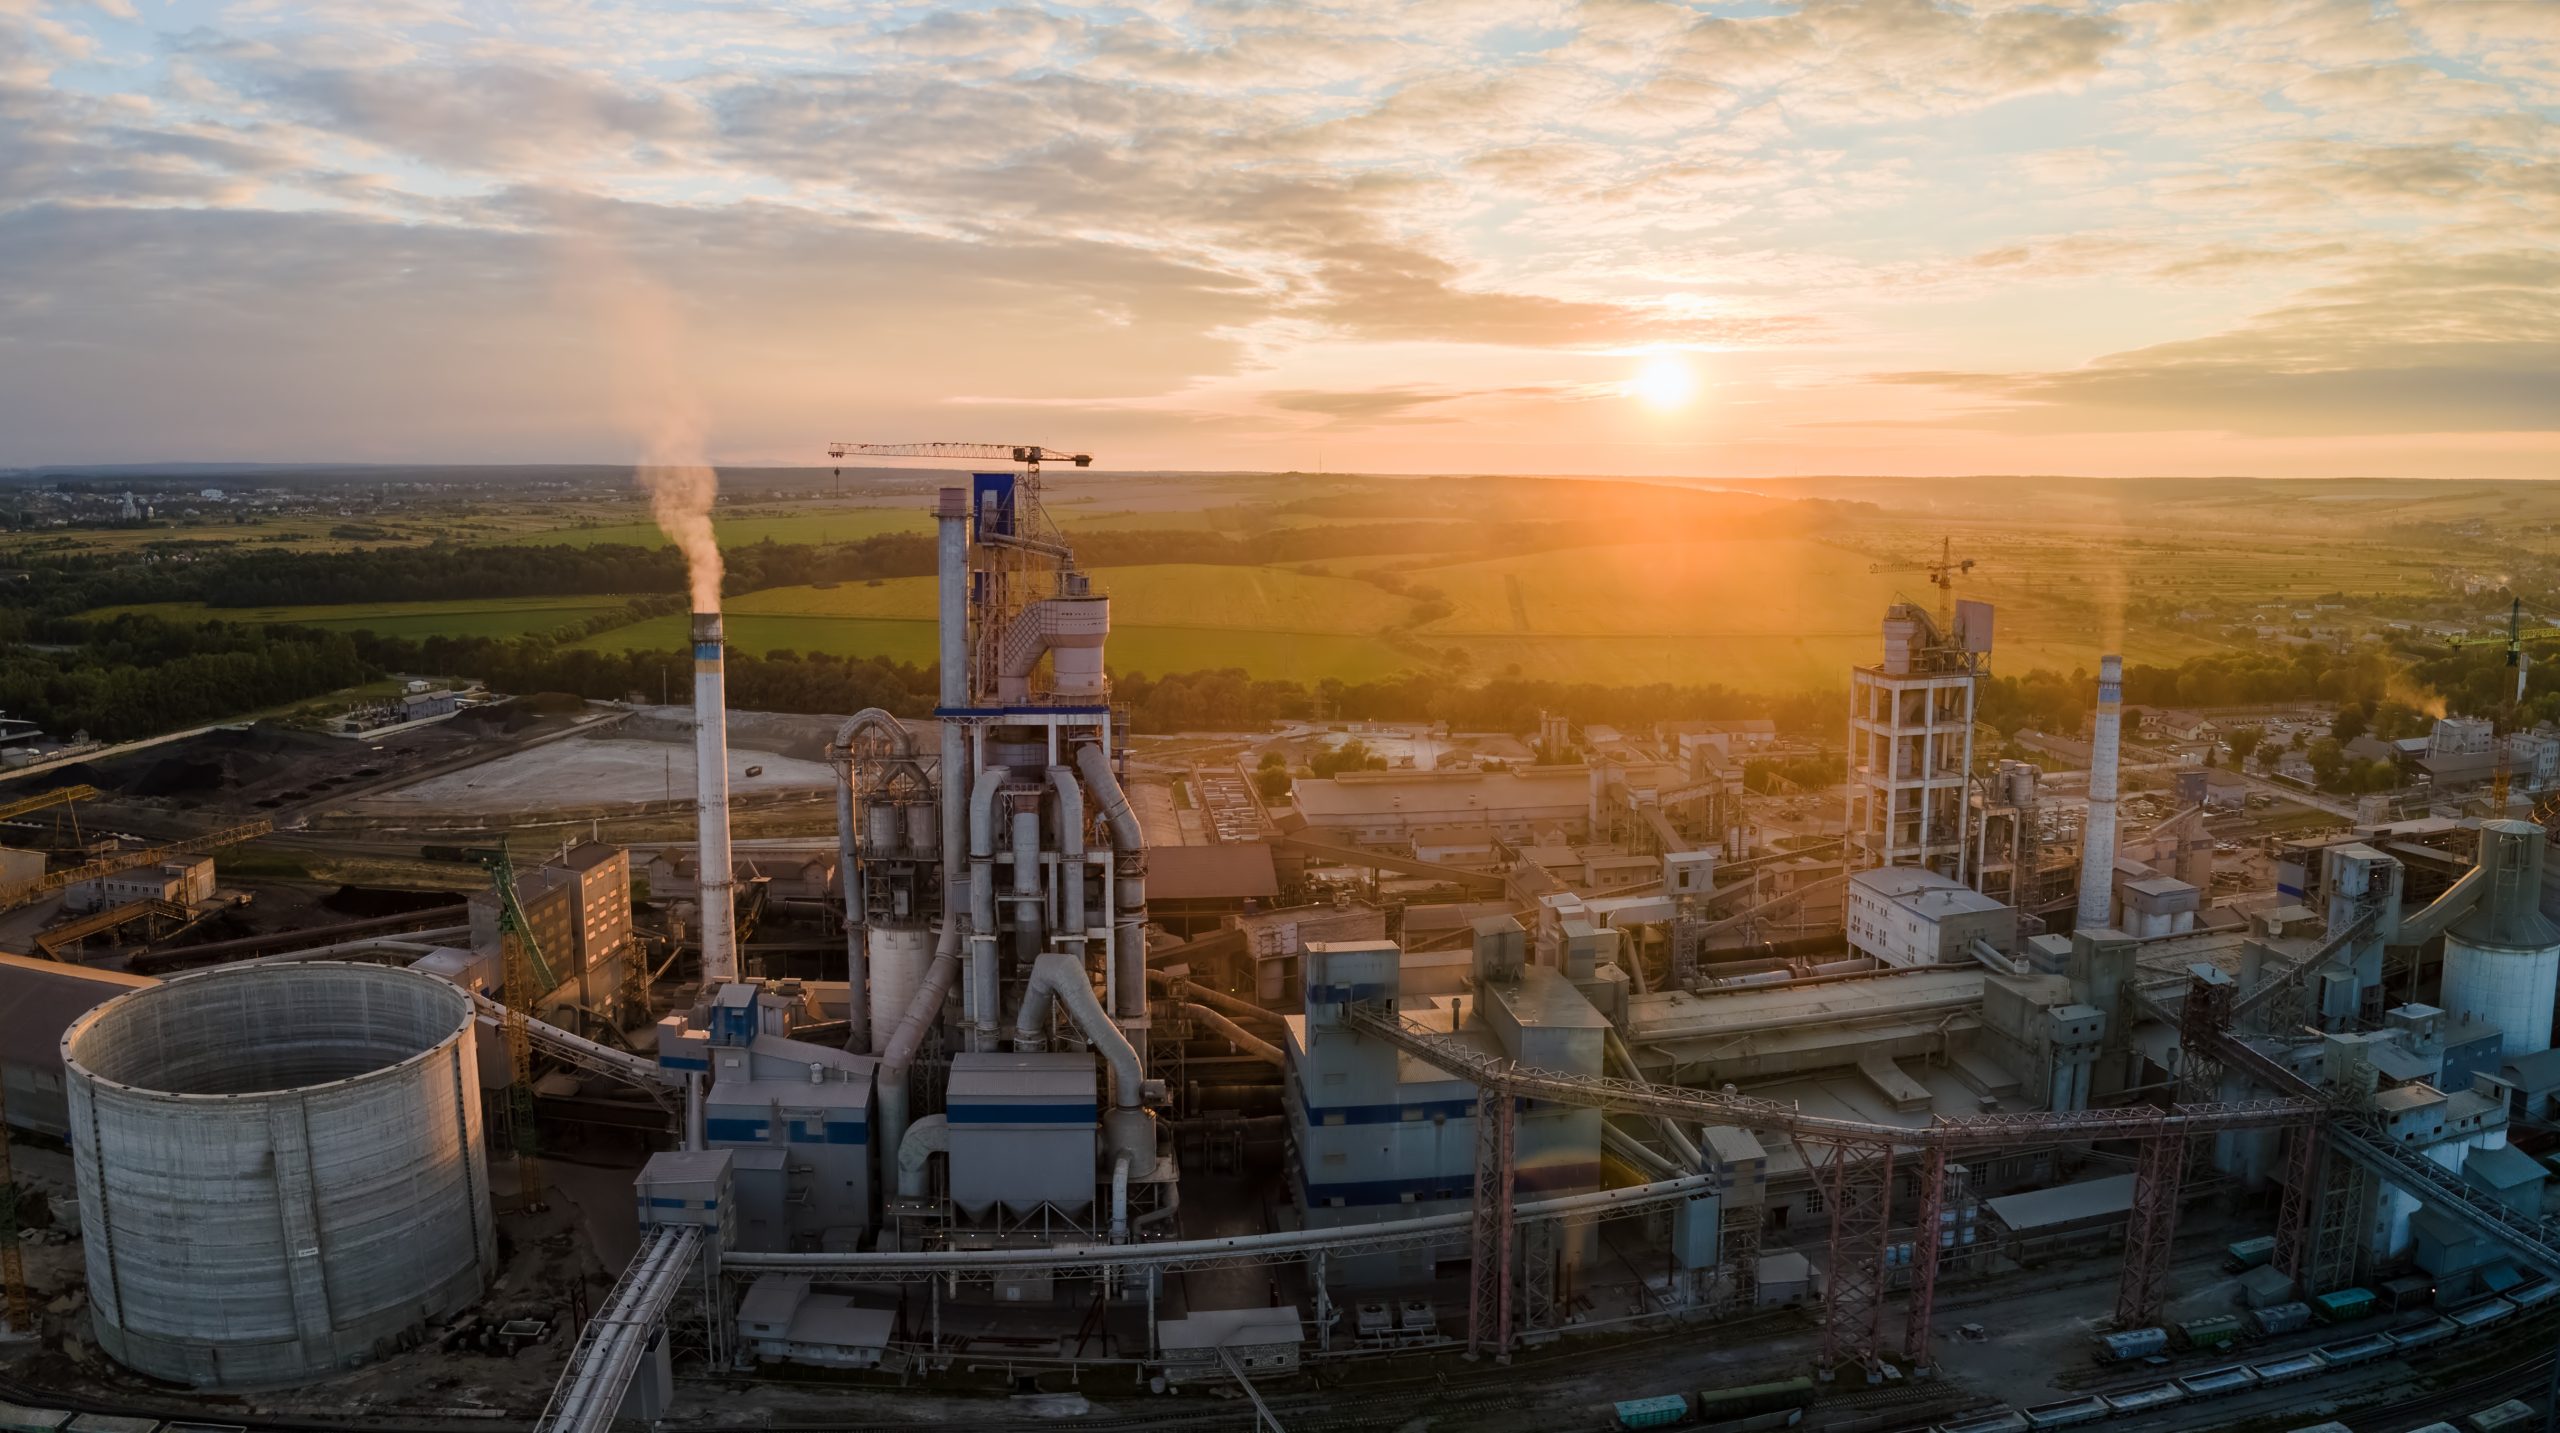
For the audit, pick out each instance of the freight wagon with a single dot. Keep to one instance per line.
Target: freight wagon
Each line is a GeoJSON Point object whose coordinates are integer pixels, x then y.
{"type": "Point", "coordinates": [2219, 1331]}
{"type": "Point", "coordinates": [2512, 1416]}
{"type": "Point", "coordinates": [2248, 1254]}
{"type": "Point", "coordinates": [2339, 1305]}
{"type": "Point", "coordinates": [2068, 1412]}
{"type": "Point", "coordinates": [2132, 1344]}
{"type": "Point", "coordinates": [1717, 1405]}
{"type": "Point", "coordinates": [2005, 1420]}
{"type": "Point", "coordinates": [2281, 1318]}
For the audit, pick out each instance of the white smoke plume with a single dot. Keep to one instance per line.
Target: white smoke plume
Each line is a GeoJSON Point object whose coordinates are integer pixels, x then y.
{"type": "Point", "coordinates": [680, 498]}
{"type": "Point", "coordinates": [643, 339]}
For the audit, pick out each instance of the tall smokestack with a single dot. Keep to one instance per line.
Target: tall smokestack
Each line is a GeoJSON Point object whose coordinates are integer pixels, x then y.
{"type": "Point", "coordinates": [2098, 837]}
{"type": "Point", "coordinates": [711, 777]}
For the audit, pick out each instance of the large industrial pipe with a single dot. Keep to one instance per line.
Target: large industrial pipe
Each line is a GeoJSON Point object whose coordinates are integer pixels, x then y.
{"type": "Point", "coordinates": [899, 1054]}
{"type": "Point", "coordinates": [1181, 987]}
{"type": "Point", "coordinates": [982, 987]}
{"type": "Point", "coordinates": [711, 790]}
{"type": "Point", "coordinates": [2098, 833]}
{"type": "Point", "coordinates": [1233, 1246]}
{"type": "Point", "coordinates": [1096, 769]}
{"type": "Point", "coordinates": [1128, 843]}
{"type": "Point", "coordinates": [1059, 976]}
{"type": "Point", "coordinates": [1062, 780]}
{"type": "Point", "coordinates": [923, 1140]}
{"type": "Point", "coordinates": [1244, 1040]}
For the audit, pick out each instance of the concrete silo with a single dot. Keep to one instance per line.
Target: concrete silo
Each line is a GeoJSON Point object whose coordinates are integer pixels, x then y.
{"type": "Point", "coordinates": [280, 1169]}
{"type": "Point", "coordinates": [2502, 958]}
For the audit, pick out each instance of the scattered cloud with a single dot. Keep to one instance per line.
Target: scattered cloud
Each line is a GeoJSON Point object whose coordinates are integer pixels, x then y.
{"type": "Point", "coordinates": [318, 232]}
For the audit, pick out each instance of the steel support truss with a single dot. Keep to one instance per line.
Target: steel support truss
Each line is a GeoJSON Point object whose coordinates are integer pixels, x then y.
{"type": "Point", "coordinates": [1489, 1264]}
{"type": "Point", "coordinates": [2150, 1231]}
{"type": "Point", "coordinates": [1930, 1240]}
{"type": "Point", "coordinates": [1857, 1185]}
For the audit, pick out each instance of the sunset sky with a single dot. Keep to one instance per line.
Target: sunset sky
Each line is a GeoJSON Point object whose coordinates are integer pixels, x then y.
{"type": "Point", "coordinates": [2287, 237]}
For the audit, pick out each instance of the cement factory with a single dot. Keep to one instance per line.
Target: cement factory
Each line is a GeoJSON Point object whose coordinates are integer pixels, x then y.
{"type": "Point", "coordinates": [1585, 1086]}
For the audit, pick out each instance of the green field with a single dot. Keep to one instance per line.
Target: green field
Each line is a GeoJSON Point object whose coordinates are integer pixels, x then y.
{"type": "Point", "coordinates": [482, 617]}
{"type": "Point", "coordinates": [814, 524]}
{"type": "Point", "coordinates": [1305, 657]}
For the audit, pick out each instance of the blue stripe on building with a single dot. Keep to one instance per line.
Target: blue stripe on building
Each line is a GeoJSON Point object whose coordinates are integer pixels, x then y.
{"type": "Point", "coordinates": [738, 1131]}
{"type": "Point", "coordinates": [678, 1062]}
{"type": "Point", "coordinates": [1024, 1114]}
{"type": "Point", "coordinates": [658, 1203]}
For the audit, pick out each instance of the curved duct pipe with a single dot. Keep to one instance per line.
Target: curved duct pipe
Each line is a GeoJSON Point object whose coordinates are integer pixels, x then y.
{"type": "Point", "coordinates": [1182, 988]}
{"type": "Point", "coordinates": [1128, 844]}
{"type": "Point", "coordinates": [923, 1140]}
{"type": "Point", "coordinates": [982, 906]}
{"type": "Point", "coordinates": [1236, 1034]}
{"type": "Point", "coordinates": [1096, 770]}
{"type": "Point", "coordinates": [1059, 976]}
{"type": "Point", "coordinates": [857, 952]}
{"type": "Point", "coordinates": [1070, 847]}
{"type": "Point", "coordinates": [900, 1052]}
{"type": "Point", "coordinates": [1120, 1198]}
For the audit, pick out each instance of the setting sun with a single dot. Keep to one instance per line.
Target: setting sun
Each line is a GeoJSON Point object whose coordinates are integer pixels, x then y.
{"type": "Point", "coordinates": [1664, 382]}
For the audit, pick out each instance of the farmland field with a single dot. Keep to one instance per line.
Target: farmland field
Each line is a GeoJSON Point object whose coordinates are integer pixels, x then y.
{"type": "Point", "coordinates": [482, 617]}
{"type": "Point", "coordinates": [815, 524]}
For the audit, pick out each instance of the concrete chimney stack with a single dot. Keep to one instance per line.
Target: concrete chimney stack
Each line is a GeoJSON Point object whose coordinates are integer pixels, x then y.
{"type": "Point", "coordinates": [711, 787]}
{"type": "Point", "coordinates": [2098, 837]}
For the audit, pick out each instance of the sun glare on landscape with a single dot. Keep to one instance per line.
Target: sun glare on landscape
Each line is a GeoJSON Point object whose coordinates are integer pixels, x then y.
{"type": "Point", "coordinates": [1664, 383]}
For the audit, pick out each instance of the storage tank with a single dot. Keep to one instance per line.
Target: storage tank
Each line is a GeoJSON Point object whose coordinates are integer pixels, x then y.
{"type": "Point", "coordinates": [2502, 957]}
{"type": "Point", "coordinates": [280, 1169]}
{"type": "Point", "coordinates": [899, 955]}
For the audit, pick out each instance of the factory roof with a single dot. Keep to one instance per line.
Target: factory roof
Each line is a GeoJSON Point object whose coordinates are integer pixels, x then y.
{"type": "Point", "coordinates": [791, 1092]}
{"type": "Point", "coordinates": [2397, 1062]}
{"type": "Point", "coordinates": [2407, 1097]}
{"type": "Point", "coordinates": [2539, 1070]}
{"type": "Point", "coordinates": [1731, 1144]}
{"type": "Point", "coordinates": [1923, 892]}
{"type": "Point", "coordinates": [1388, 793]}
{"type": "Point", "coordinates": [686, 1164]}
{"type": "Point", "coordinates": [1230, 870]}
{"type": "Point", "coordinates": [772, 1299]}
{"type": "Point", "coordinates": [1678, 1014]}
{"type": "Point", "coordinates": [2161, 886]}
{"type": "Point", "coordinates": [587, 855]}
{"type": "Point", "coordinates": [2065, 1204]}
{"type": "Point", "coordinates": [39, 999]}
{"type": "Point", "coordinates": [989, 1074]}
{"type": "Point", "coordinates": [1545, 999]}
{"type": "Point", "coordinates": [1229, 1328]}
{"type": "Point", "coordinates": [835, 1321]}
{"type": "Point", "coordinates": [2503, 1167]}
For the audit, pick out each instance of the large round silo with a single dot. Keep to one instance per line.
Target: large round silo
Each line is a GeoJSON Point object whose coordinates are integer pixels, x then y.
{"type": "Point", "coordinates": [899, 955]}
{"type": "Point", "coordinates": [2502, 957]}
{"type": "Point", "coordinates": [280, 1169]}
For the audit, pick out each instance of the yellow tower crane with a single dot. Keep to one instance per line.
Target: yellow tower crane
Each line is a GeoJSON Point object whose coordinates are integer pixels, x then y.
{"type": "Point", "coordinates": [13, 1265]}
{"type": "Point", "coordinates": [2517, 635]}
{"type": "Point", "coordinates": [527, 977]}
{"type": "Point", "coordinates": [1942, 575]}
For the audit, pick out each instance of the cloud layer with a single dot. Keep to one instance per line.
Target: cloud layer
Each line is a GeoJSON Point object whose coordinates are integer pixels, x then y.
{"type": "Point", "coordinates": [1890, 235]}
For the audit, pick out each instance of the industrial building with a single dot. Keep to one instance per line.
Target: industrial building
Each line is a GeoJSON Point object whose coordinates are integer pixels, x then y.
{"type": "Point", "coordinates": [1577, 1049]}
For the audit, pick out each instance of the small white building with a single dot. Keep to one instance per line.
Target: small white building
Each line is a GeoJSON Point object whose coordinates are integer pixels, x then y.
{"type": "Point", "coordinates": [1907, 915]}
{"type": "Point", "coordinates": [180, 883]}
{"type": "Point", "coordinates": [2461, 736]}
